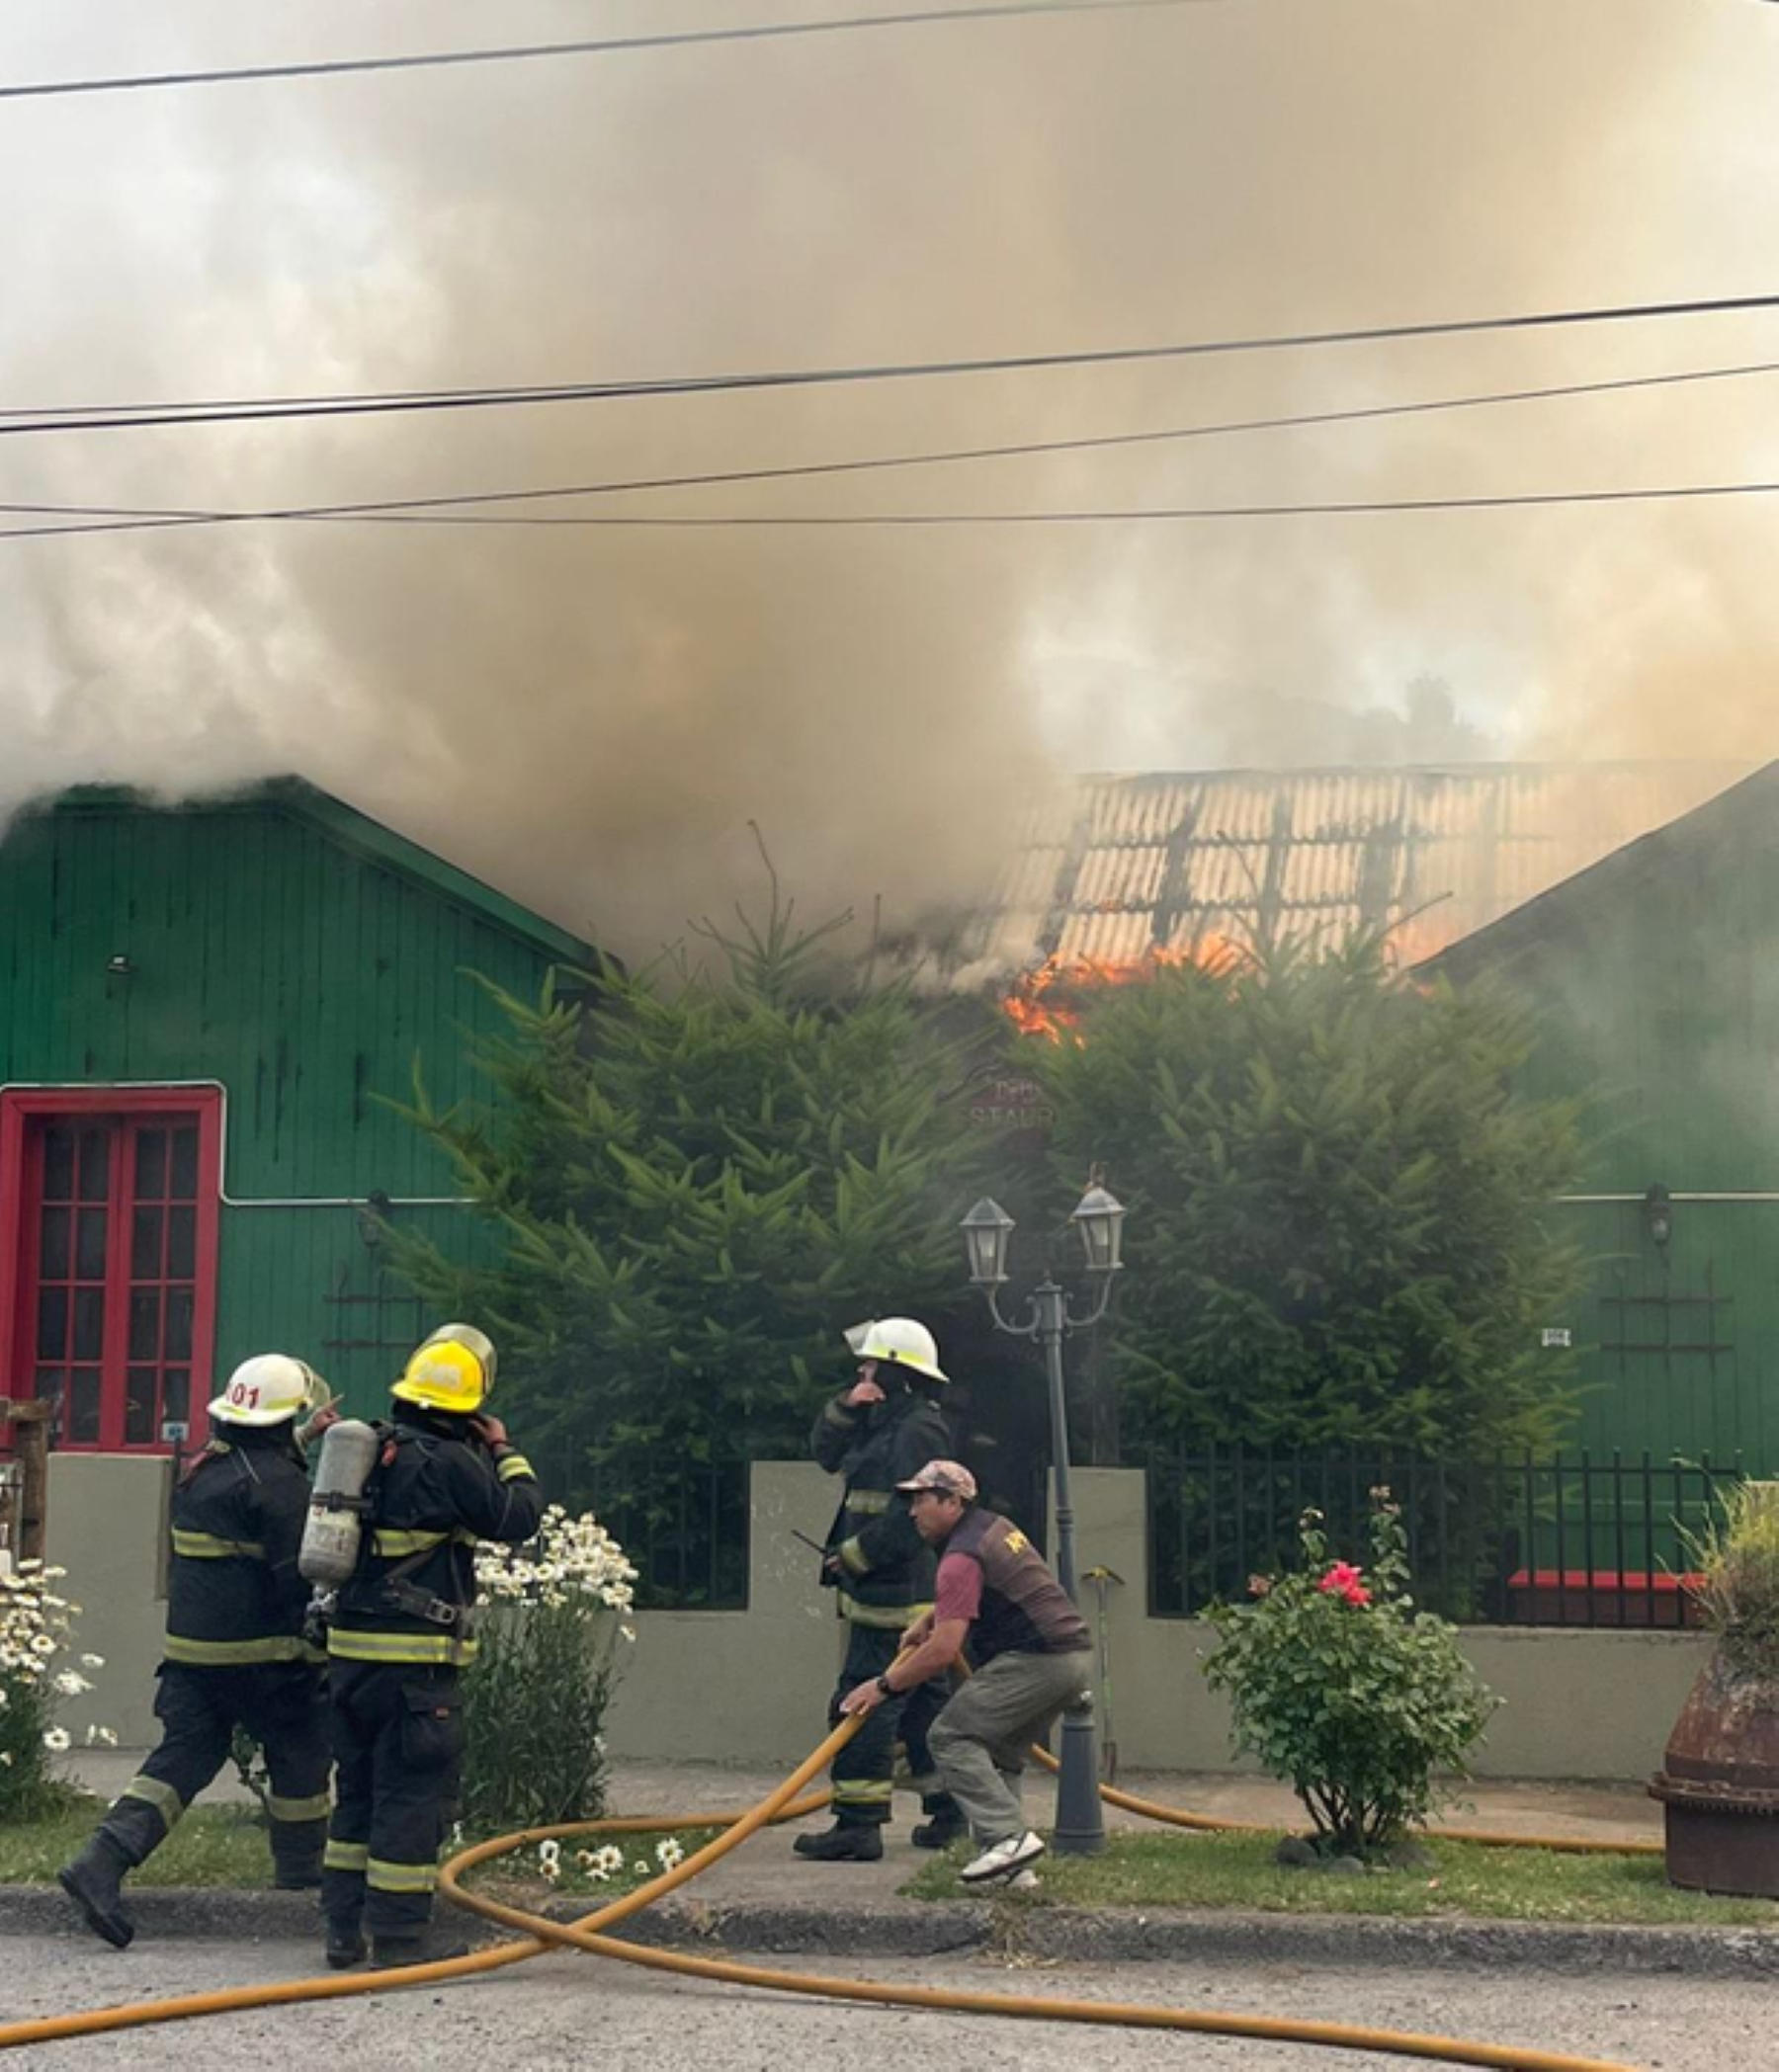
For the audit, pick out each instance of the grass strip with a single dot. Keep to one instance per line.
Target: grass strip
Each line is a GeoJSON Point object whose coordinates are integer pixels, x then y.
{"type": "Point", "coordinates": [225, 1847]}
{"type": "Point", "coordinates": [212, 1845]}
{"type": "Point", "coordinates": [1237, 1872]}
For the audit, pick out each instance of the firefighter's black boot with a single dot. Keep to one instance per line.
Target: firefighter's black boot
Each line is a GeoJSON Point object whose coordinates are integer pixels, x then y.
{"type": "Point", "coordinates": [433, 1947]}
{"type": "Point", "coordinates": [92, 1882]}
{"type": "Point", "coordinates": [297, 1874]}
{"type": "Point", "coordinates": [858, 1842]}
{"type": "Point", "coordinates": [346, 1943]}
{"type": "Point", "coordinates": [943, 1825]}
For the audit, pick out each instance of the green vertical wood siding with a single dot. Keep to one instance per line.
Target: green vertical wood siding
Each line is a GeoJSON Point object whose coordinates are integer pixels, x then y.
{"type": "Point", "coordinates": [1654, 982]}
{"type": "Point", "coordinates": [302, 970]}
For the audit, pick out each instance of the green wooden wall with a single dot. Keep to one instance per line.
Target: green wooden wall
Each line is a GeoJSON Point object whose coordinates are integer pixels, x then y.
{"type": "Point", "coordinates": [302, 956]}
{"type": "Point", "coordinates": [1654, 981]}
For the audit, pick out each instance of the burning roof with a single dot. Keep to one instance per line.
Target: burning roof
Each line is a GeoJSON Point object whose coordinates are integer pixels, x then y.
{"type": "Point", "coordinates": [1135, 868]}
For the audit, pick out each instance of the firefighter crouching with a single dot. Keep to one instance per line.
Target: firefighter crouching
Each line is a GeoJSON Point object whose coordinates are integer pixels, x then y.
{"type": "Point", "coordinates": [877, 1434]}
{"type": "Point", "coordinates": [234, 1653]}
{"type": "Point", "coordinates": [446, 1476]}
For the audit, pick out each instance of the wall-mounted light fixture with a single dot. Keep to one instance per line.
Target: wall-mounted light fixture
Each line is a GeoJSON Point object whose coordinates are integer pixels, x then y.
{"type": "Point", "coordinates": [1659, 1215]}
{"type": "Point", "coordinates": [118, 969]}
{"type": "Point", "coordinates": [373, 1218]}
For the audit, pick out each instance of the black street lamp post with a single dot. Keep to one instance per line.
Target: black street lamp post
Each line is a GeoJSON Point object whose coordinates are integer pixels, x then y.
{"type": "Point", "coordinates": [1049, 1318]}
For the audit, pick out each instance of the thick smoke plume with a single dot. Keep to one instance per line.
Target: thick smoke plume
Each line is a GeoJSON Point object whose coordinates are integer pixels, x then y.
{"type": "Point", "coordinates": [591, 717]}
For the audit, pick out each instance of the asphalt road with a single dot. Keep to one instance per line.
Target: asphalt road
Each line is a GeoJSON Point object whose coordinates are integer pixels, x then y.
{"type": "Point", "coordinates": [565, 2011]}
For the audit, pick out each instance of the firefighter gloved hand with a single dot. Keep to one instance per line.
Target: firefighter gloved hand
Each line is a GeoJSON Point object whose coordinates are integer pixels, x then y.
{"type": "Point", "coordinates": [490, 1430]}
{"type": "Point", "coordinates": [309, 1433]}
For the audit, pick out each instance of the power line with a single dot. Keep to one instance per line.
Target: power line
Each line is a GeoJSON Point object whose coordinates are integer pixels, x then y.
{"type": "Point", "coordinates": [449, 508]}
{"type": "Point", "coordinates": [100, 417]}
{"type": "Point", "coordinates": [1170, 514]}
{"type": "Point", "coordinates": [596, 47]}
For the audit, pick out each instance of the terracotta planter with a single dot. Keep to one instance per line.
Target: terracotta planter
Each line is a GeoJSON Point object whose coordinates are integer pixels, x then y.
{"type": "Point", "coordinates": [1720, 1784]}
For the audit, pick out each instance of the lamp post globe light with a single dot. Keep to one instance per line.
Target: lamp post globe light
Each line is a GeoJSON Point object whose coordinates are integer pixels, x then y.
{"type": "Point", "coordinates": [1049, 1318]}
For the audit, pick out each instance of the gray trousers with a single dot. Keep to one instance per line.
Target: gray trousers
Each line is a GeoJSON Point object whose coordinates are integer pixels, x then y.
{"type": "Point", "coordinates": [979, 1740]}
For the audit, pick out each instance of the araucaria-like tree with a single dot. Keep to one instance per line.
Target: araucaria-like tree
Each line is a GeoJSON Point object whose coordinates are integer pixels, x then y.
{"type": "Point", "coordinates": [689, 1185]}
{"type": "Point", "coordinates": [1340, 1218]}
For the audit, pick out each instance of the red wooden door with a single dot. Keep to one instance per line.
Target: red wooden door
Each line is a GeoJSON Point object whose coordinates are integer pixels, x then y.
{"type": "Point", "coordinates": [116, 1278]}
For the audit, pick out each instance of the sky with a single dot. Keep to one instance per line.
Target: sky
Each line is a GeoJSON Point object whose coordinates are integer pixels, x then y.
{"type": "Point", "coordinates": [597, 718]}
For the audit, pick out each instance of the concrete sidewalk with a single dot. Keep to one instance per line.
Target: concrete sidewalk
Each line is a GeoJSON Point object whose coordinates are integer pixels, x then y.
{"type": "Point", "coordinates": [767, 1871]}
{"type": "Point", "coordinates": [768, 1900]}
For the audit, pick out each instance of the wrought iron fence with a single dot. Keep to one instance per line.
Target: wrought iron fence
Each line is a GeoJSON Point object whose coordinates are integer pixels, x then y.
{"type": "Point", "coordinates": [1569, 1541]}
{"type": "Point", "coordinates": [683, 1524]}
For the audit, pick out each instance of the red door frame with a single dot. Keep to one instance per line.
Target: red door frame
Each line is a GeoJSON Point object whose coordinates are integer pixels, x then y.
{"type": "Point", "coordinates": [20, 1106]}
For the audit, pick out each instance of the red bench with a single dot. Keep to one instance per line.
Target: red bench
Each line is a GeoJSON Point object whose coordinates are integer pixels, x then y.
{"type": "Point", "coordinates": [1549, 1596]}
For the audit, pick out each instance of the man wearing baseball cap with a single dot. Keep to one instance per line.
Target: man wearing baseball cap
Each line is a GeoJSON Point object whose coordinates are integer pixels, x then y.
{"type": "Point", "coordinates": [1030, 1647]}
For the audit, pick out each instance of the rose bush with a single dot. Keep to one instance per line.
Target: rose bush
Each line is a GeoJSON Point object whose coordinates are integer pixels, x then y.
{"type": "Point", "coordinates": [557, 1611]}
{"type": "Point", "coordinates": [1346, 1692]}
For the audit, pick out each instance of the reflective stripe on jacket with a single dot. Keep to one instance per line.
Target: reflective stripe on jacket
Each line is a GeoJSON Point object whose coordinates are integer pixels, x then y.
{"type": "Point", "coordinates": [436, 1491]}
{"type": "Point", "coordinates": [234, 1593]}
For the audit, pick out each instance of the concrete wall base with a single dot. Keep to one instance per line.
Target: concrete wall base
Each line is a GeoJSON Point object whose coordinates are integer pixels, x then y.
{"type": "Point", "coordinates": [1588, 1702]}
{"type": "Point", "coordinates": [751, 1688]}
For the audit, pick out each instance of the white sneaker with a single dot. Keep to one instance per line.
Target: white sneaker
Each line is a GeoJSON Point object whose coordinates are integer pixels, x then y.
{"type": "Point", "coordinates": [1004, 1859]}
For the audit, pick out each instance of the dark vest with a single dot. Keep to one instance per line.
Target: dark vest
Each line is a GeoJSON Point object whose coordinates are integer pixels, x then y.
{"type": "Point", "coordinates": [1024, 1610]}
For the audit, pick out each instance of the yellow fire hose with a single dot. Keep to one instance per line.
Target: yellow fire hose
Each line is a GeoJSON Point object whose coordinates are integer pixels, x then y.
{"type": "Point", "coordinates": [1479, 1838]}
{"type": "Point", "coordinates": [783, 1803]}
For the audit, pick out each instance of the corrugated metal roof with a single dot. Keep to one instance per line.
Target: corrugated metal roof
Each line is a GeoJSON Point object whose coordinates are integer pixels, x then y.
{"type": "Point", "coordinates": [1139, 862]}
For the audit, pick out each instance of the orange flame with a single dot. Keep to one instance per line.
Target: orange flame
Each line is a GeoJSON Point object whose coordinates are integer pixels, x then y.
{"type": "Point", "coordinates": [1047, 1002]}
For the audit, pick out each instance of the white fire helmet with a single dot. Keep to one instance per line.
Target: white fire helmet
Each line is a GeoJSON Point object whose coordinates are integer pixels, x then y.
{"type": "Point", "coordinates": [267, 1389]}
{"type": "Point", "coordinates": [898, 1341]}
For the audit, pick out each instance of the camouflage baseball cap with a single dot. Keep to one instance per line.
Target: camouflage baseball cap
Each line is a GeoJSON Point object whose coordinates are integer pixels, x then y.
{"type": "Point", "coordinates": [950, 1478]}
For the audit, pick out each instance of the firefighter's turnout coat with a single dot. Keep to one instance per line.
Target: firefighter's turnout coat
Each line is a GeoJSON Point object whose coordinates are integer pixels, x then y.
{"type": "Point", "coordinates": [399, 1635]}
{"type": "Point", "coordinates": [236, 1655]}
{"type": "Point", "coordinates": [885, 1568]}
{"type": "Point", "coordinates": [882, 1571]}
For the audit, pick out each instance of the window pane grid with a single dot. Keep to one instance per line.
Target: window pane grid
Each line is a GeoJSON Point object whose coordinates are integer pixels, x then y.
{"type": "Point", "coordinates": [119, 1256]}
{"type": "Point", "coordinates": [73, 1252]}
{"type": "Point", "coordinates": [163, 1277]}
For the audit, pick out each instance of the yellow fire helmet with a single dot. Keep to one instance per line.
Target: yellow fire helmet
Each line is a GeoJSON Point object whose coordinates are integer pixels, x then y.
{"type": "Point", "coordinates": [453, 1369]}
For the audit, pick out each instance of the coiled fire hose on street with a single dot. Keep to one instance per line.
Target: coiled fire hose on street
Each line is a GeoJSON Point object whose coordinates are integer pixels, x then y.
{"type": "Point", "coordinates": [783, 1803]}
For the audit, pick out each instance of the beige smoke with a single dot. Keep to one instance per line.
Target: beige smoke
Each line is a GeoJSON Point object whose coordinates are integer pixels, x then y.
{"type": "Point", "coordinates": [592, 717]}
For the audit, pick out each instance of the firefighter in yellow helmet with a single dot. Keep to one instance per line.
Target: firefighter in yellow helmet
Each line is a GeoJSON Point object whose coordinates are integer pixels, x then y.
{"type": "Point", "coordinates": [876, 1434]}
{"type": "Point", "coordinates": [236, 1654]}
{"type": "Point", "coordinates": [401, 1634]}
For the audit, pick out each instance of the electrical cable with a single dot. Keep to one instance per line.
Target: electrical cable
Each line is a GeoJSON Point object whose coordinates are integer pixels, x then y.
{"type": "Point", "coordinates": [916, 521]}
{"type": "Point", "coordinates": [1172, 514]}
{"type": "Point", "coordinates": [16, 422]}
{"type": "Point", "coordinates": [596, 47]}
{"type": "Point", "coordinates": [426, 510]}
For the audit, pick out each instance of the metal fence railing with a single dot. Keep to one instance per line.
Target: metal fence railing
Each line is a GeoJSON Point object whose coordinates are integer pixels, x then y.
{"type": "Point", "coordinates": [1569, 1541]}
{"type": "Point", "coordinates": [681, 1523]}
